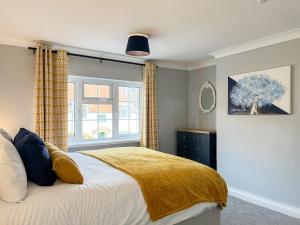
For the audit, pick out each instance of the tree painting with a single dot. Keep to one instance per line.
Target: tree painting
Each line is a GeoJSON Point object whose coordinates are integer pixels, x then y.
{"type": "Point", "coordinates": [256, 91]}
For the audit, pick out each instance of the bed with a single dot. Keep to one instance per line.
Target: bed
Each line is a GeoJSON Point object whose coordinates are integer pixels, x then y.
{"type": "Point", "coordinates": [107, 197]}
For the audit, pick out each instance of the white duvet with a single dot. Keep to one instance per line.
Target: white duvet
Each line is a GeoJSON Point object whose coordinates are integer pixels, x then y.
{"type": "Point", "coordinates": [107, 197]}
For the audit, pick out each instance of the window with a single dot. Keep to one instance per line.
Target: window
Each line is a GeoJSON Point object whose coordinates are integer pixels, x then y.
{"type": "Point", "coordinates": [101, 110]}
{"type": "Point", "coordinates": [129, 111]}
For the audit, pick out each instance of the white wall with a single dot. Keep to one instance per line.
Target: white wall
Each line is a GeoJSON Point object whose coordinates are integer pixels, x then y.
{"type": "Point", "coordinates": [261, 154]}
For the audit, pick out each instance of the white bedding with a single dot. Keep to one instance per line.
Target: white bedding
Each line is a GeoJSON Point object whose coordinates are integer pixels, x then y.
{"type": "Point", "coordinates": [107, 197]}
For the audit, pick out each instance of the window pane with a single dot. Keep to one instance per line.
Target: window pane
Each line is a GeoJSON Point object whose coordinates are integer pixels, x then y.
{"type": "Point", "coordinates": [129, 110]}
{"type": "Point", "coordinates": [105, 121]}
{"type": "Point", "coordinates": [71, 91]}
{"type": "Point", "coordinates": [123, 110]}
{"type": "Point", "coordinates": [71, 109]}
{"type": "Point", "coordinates": [104, 112]}
{"type": "Point", "coordinates": [103, 91]}
{"type": "Point", "coordinates": [89, 111]}
{"type": "Point", "coordinates": [90, 90]}
{"type": "Point", "coordinates": [134, 94]}
{"type": "Point", "coordinates": [123, 94]}
{"type": "Point", "coordinates": [134, 110]}
{"type": "Point", "coordinates": [71, 114]}
{"type": "Point", "coordinates": [71, 132]}
{"type": "Point", "coordinates": [105, 129]}
{"type": "Point", "coordinates": [133, 126]}
{"type": "Point", "coordinates": [123, 127]}
{"type": "Point", "coordinates": [89, 130]}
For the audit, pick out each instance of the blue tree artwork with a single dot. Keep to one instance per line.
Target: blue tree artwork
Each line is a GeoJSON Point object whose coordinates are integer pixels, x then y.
{"type": "Point", "coordinates": [259, 93]}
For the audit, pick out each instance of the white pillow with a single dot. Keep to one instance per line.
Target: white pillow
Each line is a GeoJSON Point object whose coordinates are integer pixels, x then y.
{"type": "Point", "coordinates": [13, 179]}
{"type": "Point", "coordinates": [6, 135]}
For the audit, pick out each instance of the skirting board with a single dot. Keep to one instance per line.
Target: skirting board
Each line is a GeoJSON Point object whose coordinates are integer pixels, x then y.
{"type": "Point", "coordinates": [266, 203]}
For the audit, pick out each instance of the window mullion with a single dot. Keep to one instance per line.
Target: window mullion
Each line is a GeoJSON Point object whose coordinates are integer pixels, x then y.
{"type": "Point", "coordinates": [115, 106]}
{"type": "Point", "coordinates": [141, 112]}
{"type": "Point", "coordinates": [129, 110]}
{"type": "Point", "coordinates": [79, 110]}
{"type": "Point", "coordinates": [98, 122]}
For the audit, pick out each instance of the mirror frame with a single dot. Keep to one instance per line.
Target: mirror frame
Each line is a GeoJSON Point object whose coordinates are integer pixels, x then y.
{"type": "Point", "coordinates": [210, 86]}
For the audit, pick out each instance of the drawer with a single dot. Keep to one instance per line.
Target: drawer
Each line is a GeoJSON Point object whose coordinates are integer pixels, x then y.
{"type": "Point", "coordinates": [183, 144]}
{"type": "Point", "coordinates": [183, 151]}
{"type": "Point", "coordinates": [183, 138]}
{"type": "Point", "coordinates": [200, 147]}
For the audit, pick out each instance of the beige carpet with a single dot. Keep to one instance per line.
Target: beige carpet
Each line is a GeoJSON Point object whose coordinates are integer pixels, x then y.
{"type": "Point", "coordinates": [239, 212]}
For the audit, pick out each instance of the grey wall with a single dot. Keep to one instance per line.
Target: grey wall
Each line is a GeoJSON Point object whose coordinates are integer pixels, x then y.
{"type": "Point", "coordinates": [110, 70]}
{"type": "Point", "coordinates": [196, 118]}
{"type": "Point", "coordinates": [17, 67]}
{"type": "Point", "coordinates": [16, 88]}
{"type": "Point", "coordinates": [261, 154]}
{"type": "Point", "coordinates": [172, 88]}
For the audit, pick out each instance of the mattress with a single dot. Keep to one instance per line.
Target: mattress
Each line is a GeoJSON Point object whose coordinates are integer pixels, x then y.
{"type": "Point", "coordinates": [107, 197]}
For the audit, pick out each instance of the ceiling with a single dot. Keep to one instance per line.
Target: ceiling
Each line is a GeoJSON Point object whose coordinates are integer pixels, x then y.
{"type": "Point", "coordinates": [183, 31]}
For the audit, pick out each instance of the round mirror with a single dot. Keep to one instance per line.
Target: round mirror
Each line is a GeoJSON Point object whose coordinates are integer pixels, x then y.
{"type": "Point", "coordinates": [207, 98]}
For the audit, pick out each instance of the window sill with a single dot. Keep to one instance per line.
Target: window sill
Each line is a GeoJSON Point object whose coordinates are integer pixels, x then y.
{"type": "Point", "coordinates": [102, 143]}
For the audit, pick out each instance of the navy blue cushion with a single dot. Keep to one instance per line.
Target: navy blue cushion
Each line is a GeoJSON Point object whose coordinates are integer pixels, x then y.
{"type": "Point", "coordinates": [22, 132]}
{"type": "Point", "coordinates": [35, 157]}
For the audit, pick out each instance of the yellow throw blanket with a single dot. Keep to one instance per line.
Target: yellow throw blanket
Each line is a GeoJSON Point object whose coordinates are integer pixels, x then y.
{"type": "Point", "coordinates": [169, 183]}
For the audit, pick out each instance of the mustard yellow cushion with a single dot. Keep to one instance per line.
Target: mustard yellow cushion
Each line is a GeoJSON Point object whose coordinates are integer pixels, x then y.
{"type": "Point", "coordinates": [65, 168]}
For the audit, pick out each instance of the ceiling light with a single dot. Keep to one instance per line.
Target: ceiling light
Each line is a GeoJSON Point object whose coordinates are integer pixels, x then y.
{"type": "Point", "coordinates": [137, 45]}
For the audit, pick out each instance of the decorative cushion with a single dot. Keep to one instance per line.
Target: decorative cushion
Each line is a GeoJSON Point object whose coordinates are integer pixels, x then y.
{"type": "Point", "coordinates": [65, 168]}
{"type": "Point", "coordinates": [6, 135]}
{"type": "Point", "coordinates": [13, 180]}
{"type": "Point", "coordinates": [35, 157]}
{"type": "Point", "coordinates": [22, 133]}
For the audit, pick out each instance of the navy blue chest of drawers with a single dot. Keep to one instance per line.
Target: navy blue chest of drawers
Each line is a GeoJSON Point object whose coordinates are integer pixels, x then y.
{"type": "Point", "coordinates": [197, 145]}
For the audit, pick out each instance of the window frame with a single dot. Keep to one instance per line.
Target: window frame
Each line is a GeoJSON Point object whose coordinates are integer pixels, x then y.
{"type": "Point", "coordinates": [80, 99]}
{"type": "Point", "coordinates": [72, 139]}
{"type": "Point", "coordinates": [91, 81]}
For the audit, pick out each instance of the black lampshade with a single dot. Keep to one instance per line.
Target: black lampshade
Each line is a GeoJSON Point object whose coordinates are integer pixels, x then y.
{"type": "Point", "coordinates": [137, 45]}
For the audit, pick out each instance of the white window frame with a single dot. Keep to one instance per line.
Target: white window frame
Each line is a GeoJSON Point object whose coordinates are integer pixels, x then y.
{"type": "Point", "coordinates": [72, 139]}
{"type": "Point", "coordinates": [94, 81]}
{"type": "Point", "coordinates": [79, 100]}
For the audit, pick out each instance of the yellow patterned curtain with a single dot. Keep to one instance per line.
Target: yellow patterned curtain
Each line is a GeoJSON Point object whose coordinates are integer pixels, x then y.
{"type": "Point", "coordinates": [51, 96]}
{"type": "Point", "coordinates": [149, 137]}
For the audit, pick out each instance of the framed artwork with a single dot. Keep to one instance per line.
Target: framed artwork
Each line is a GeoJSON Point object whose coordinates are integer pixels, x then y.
{"type": "Point", "coordinates": [260, 92]}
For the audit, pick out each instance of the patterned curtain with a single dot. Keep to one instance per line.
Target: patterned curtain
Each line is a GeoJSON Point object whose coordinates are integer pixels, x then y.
{"type": "Point", "coordinates": [149, 137]}
{"type": "Point", "coordinates": [51, 96]}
